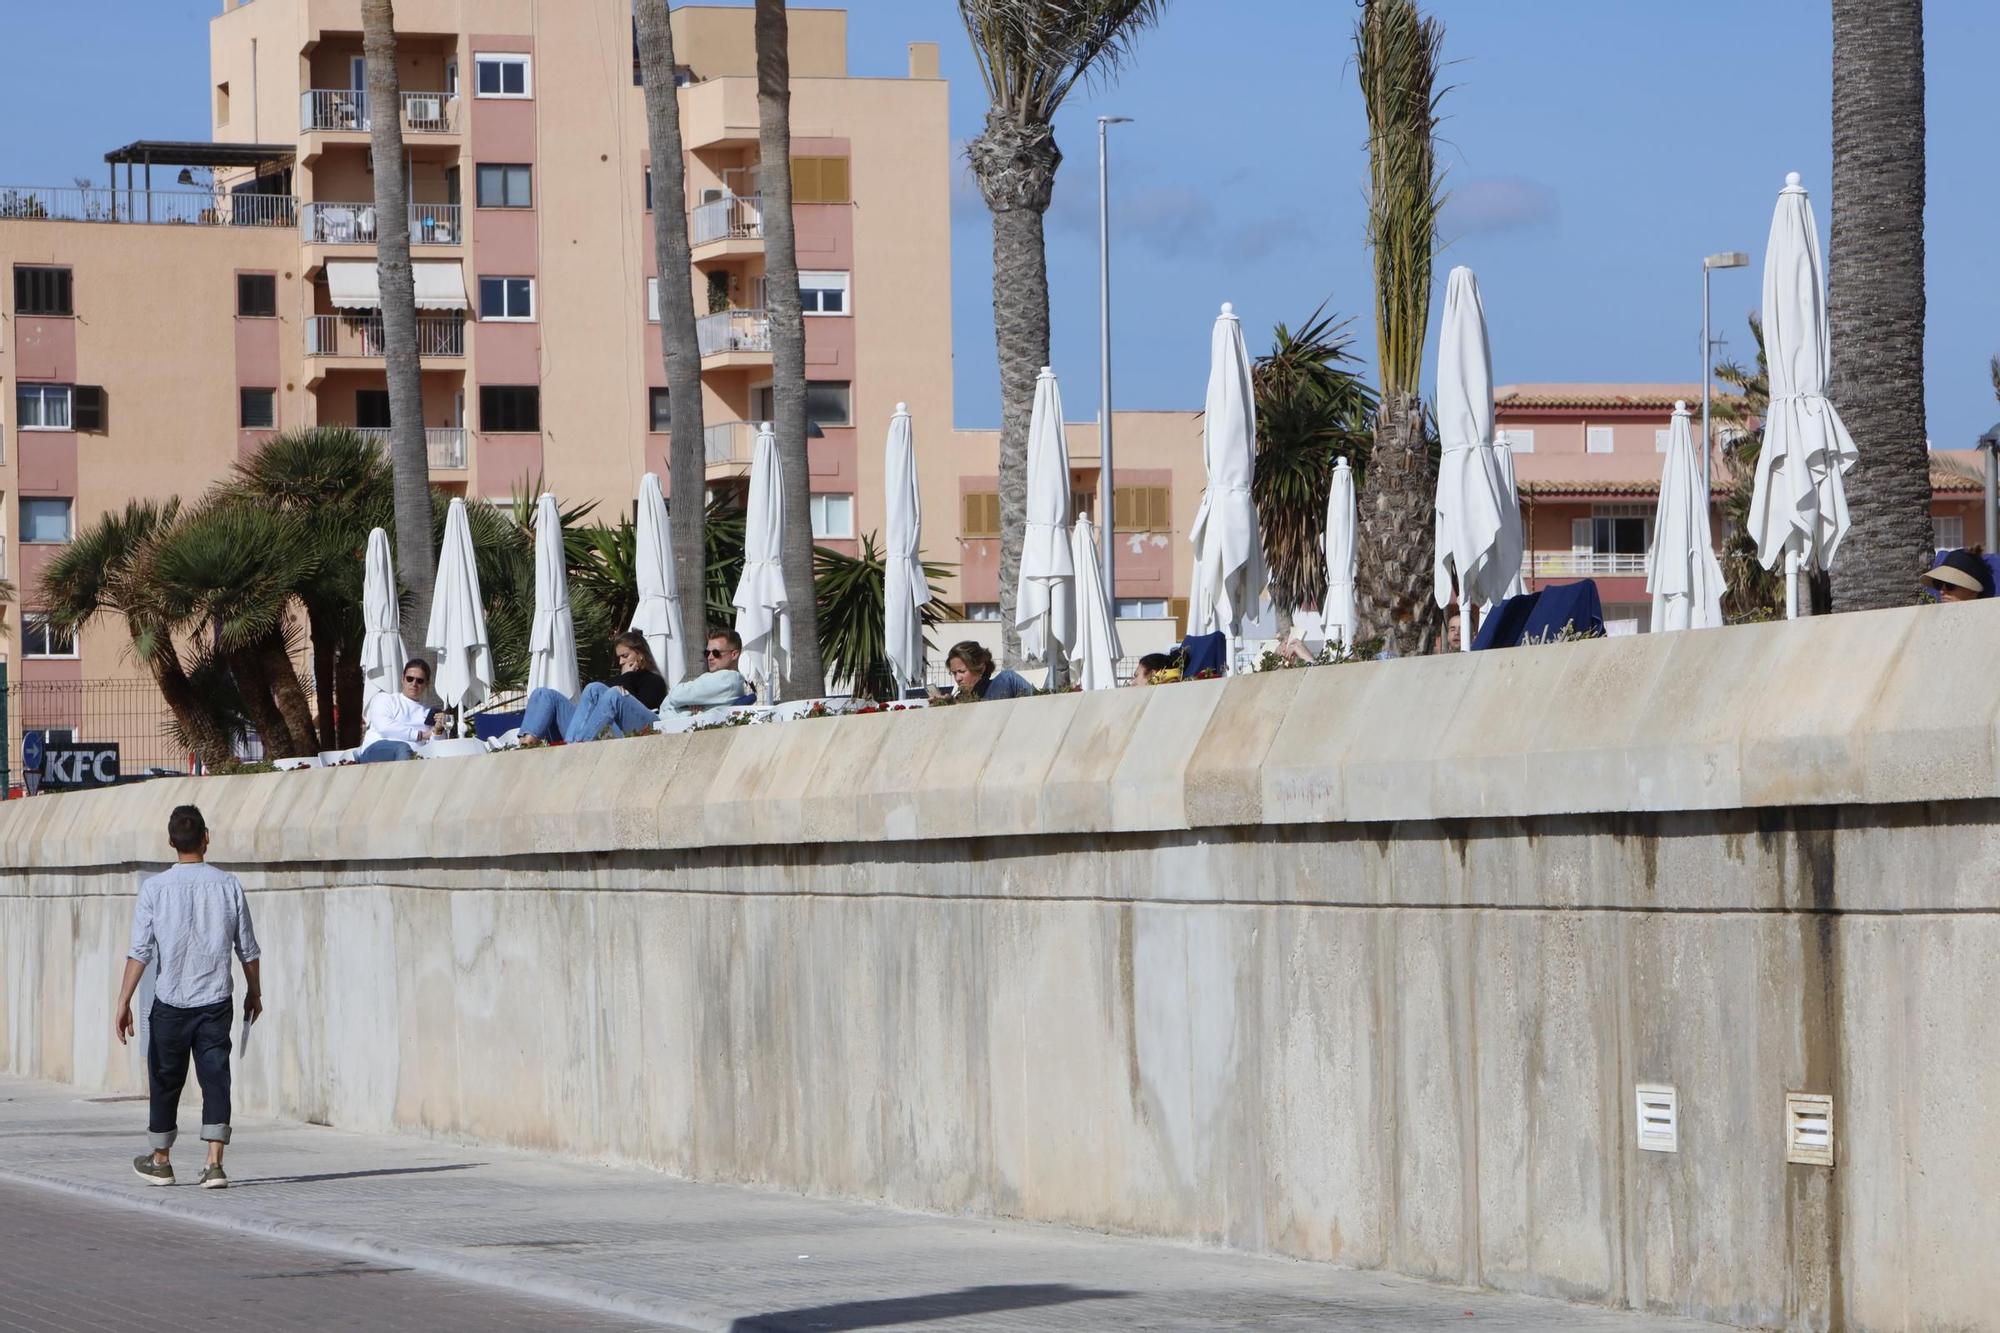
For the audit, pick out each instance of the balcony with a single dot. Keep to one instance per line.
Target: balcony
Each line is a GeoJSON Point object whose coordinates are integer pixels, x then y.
{"type": "Point", "coordinates": [733, 218]}
{"type": "Point", "coordinates": [444, 444]}
{"type": "Point", "coordinates": [729, 442]}
{"type": "Point", "coordinates": [354, 224]}
{"type": "Point", "coordinates": [1582, 564]}
{"type": "Point", "coordinates": [362, 336]}
{"type": "Point", "coordinates": [744, 336]}
{"type": "Point", "coordinates": [183, 208]}
{"type": "Point", "coordinates": [345, 111]}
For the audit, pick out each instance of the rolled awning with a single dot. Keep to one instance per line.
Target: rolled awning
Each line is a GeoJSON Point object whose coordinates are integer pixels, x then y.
{"type": "Point", "coordinates": [440, 285]}
{"type": "Point", "coordinates": [353, 285]}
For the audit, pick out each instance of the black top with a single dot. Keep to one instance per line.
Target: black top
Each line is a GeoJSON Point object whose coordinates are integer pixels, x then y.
{"type": "Point", "coordinates": [645, 686]}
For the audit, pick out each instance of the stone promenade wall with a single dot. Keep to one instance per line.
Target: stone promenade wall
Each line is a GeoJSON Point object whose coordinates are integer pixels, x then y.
{"type": "Point", "coordinates": [1358, 964]}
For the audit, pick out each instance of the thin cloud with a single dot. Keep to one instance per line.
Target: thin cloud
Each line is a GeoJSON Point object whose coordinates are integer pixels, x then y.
{"type": "Point", "coordinates": [1494, 204]}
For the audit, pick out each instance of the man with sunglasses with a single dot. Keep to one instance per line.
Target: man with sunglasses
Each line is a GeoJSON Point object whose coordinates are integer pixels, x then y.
{"type": "Point", "coordinates": [399, 723]}
{"type": "Point", "coordinates": [722, 683]}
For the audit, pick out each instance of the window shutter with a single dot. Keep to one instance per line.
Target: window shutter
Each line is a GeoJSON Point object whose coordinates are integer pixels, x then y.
{"type": "Point", "coordinates": [1597, 439]}
{"type": "Point", "coordinates": [833, 180]}
{"type": "Point", "coordinates": [1177, 607]}
{"type": "Point", "coordinates": [1121, 509]}
{"type": "Point", "coordinates": [1162, 519]}
{"type": "Point", "coordinates": [806, 180]}
{"type": "Point", "coordinates": [89, 409]}
{"type": "Point", "coordinates": [981, 517]}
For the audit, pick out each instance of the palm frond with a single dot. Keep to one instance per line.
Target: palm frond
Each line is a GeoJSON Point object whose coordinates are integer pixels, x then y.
{"type": "Point", "coordinates": [1398, 53]}
{"type": "Point", "coordinates": [849, 592]}
{"type": "Point", "coordinates": [1032, 53]}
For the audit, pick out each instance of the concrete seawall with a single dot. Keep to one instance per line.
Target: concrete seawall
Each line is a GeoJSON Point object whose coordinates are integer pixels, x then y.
{"type": "Point", "coordinates": [1357, 963]}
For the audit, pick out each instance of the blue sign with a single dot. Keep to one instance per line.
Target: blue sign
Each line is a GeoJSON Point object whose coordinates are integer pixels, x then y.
{"type": "Point", "coordinates": [31, 751]}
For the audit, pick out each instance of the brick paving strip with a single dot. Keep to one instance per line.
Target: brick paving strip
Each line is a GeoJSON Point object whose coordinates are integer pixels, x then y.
{"type": "Point", "coordinates": [637, 1243]}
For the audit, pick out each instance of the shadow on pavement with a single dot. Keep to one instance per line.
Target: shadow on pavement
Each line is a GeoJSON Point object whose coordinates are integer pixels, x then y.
{"type": "Point", "coordinates": [918, 1309]}
{"type": "Point", "coordinates": [354, 1175]}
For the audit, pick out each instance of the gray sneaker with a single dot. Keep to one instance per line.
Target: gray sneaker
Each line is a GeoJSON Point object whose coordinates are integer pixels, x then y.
{"type": "Point", "coordinates": [152, 1172]}
{"type": "Point", "coordinates": [211, 1178]}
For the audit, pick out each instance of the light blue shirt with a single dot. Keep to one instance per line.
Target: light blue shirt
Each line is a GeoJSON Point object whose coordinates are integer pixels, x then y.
{"type": "Point", "coordinates": [187, 921]}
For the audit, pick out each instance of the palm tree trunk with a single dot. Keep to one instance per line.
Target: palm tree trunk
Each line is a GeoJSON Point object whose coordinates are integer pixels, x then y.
{"type": "Point", "coordinates": [347, 688]}
{"type": "Point", "coordinates": [208, 741]}
{"type": "Point", "coordinates": [805, 675]}
{"type": "Point", "coordinates": [1015, 165]}
{"type": "Point", "coordinates": [319, 626]}
{"type": "Point", "coordinates": [1392, 584]}
{"type": "Point", "coordinates": [680, 346]}
{"type": "Point", "coordinates": [253, 682]}
{"type": "Point", "coordinates": [416, 562]}
{"type": "Point", "coordinates": [289, 693]}
{"type": "Point", "coordinates": [1875, 292]}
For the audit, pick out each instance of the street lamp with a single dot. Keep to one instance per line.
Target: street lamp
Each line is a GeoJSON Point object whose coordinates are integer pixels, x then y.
{"type": "Point", "coordinates": [1727, 259]}
{"type": "Point", "coordinates": [1989, 444]}
{"type": "Point", "coordinates": [1105, 486]}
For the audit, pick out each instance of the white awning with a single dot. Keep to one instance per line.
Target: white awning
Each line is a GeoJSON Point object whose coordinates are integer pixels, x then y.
{"type": "Point", "coordinates": [440, 285]}
{"type": "Point", "coordinates": [353, 285]}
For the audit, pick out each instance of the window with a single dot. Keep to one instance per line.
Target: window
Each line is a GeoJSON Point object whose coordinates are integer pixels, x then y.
{"type": "Point", "coordinates": [502, 185]}
{"type": "Point", "coordinates": [506, 298]}
{"type": "Point", "coordinates": [1597, 439]}
{"type": "Point", "coordinates": [980, 515]}
{"type": "Point", "coordinates": [257, 409]}
{"type": "Point", "coordinates": [1661, 435]}
{"type": "Point", "coordinates": [1142, 509]}
{"type": "Point", "coordinates": [833, 515]}
{"type": "Point", "coordinates": [652, 300]}
{"type": "Point", "coordinates": [257, 295]}
{"type": "Point", "coordinates": [91, 415]}
{"type": "Point", "coordinates": [42, 406]}
{"type": "Point", "coordinates": [46, 519]}
{"type": "Point", "coordinates": [829, 402]}
{"type": "Point", "coordinates": [662, 414]}
{"type": "Point", "coordinates": [504, 75]}
{"type": "Point", "coordinates": [982, 610]}
{"type": "Point", "coordinates": [41, 639]}
{"type": "Point", "coordinates": [371, 409]}
{"type": "Point", "coordinates": [1614, 530]}
{"type": "Point", "coordinates": [1520, 441]}
{"type": "Point", "coordinates": [221, 105]}
{"type": "Point", "coordinates": [516, 408]}
{"type": "Point", "coordinates": [823, 293]}
{"type": "Point", "coordinates": [41, 290]}
{"type": "Point", "coordinates": [819, 180]}
{"type": "Point", "coordinates": [1142, 608]}
{"type": "Point", "coordinates": [1947, 531]}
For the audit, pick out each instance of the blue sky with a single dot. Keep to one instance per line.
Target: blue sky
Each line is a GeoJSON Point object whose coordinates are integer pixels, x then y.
{"type": "Point", "coordinates": [1597, 149]}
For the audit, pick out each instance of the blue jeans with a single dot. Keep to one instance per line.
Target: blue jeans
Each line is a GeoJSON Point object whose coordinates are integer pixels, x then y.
{"type": "Point", "coordinates": [599, 708]}
{"type": "Point", "coordinates": [385, 752]}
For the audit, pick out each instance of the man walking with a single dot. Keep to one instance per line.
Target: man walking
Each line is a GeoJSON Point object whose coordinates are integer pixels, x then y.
{"type": "Point", "coordinates": [188, 919]}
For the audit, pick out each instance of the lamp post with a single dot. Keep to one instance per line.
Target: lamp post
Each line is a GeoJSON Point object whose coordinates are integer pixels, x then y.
{"type": "Point", "coordinates": [1727, 259]}
{"type": "Point", "coordinates": [1989, 444]}
{"type": "Point", "coordinates": [1106, 484]}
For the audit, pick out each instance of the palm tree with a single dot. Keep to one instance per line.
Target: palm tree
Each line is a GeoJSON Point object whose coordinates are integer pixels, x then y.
{"type": "Point", "coordinates": [334, 480]}
{"type": "Point", "coordinates": [1875, 297]}
{"type": "Point", "coordinates": [1030, 54]}
{"type": "Point", "coordinates": [849, 590]}
{"type": "Point", "coordinates": [1749, 591]}
{"type": "Point", "coordinates": [101, 573]}
{"type": "Point", "coordinates": [806, 679]}
{"type": "Point", "coordinates": [416, 559]}
{"type": "Point", "coordinates": [680, 345]}
{"type": "Point", "coordinates": [1310, 409]}
{"type": "Point", "coordinates": [1397, 52]}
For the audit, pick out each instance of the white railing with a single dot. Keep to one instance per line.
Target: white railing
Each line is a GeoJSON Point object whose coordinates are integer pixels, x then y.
{"type": "Point", "coordinates": [343, 335]}
{"type": "Point", "coordinates": [1580, 564]}
{"type": "Point", "coordinates": [733, 331]}
{"type": "Point", "coordinates": [186, 208]}
{"type": "Point", "coordinates": [445, 444]}
{"type": "Point", "coordinates": [731, 218]}
{"type": "Point", "coordinates": [338, 109]}
{"type": "Point", "coordinates": [729, 441]}
{"type": "Point", "coordinates": [354, 224]}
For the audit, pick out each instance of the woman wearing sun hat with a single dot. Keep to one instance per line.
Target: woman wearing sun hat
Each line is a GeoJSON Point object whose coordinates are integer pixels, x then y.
{"type": "Point", "coordinates": [1962, 576]}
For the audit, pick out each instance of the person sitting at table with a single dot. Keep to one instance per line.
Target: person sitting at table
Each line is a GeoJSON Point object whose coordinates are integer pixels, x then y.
{"type": "Point", "coordinates": [722, 683]}
{"type": "Point", "coordinates": [621, 707]}
{"type": "Point", "coordinates": [398, 723]}
{"type": "Point", "coordinates": [972, 671]}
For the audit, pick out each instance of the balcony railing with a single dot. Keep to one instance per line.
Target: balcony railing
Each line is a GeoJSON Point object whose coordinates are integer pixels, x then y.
{"type": "Point", "coordinates": [445, 444]}
{"type": "Point", "coordinates": [338, 109]}
{"type": "Point", "coordinates": [736, 217]}
{"type": "Point", "coordinates": [186, 208]}
{"type": "Point", "coordinates": [354, 224]}
{"type": "Point", "coordinates": [342, 335]}
{"type": "Point", "coordinates": [733, 331]}
{"type": "Point", "coordinates": [729, 441]}
{"type": "Point", "coordinates": [1580, 564]}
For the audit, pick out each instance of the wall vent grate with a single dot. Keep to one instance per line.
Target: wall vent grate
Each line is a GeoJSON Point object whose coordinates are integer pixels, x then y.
{"type": "Point", "coordinates": [1659, 1118]}
{"type": "Point", "coordinates": [1809, 1128]}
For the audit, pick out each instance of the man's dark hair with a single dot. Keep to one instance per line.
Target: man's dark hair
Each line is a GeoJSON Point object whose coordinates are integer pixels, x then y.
{"type": "Point", "coordinates": [186, 829]}
{"type": "Point", "coordinates": [729, 636]}
{"type": "Point", "coordinates": [1156, 661]}
{"type": "Point", "coordinates": [418, 662]}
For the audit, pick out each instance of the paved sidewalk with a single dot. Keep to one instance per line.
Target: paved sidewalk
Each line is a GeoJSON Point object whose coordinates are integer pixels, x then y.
{"type": "Point", "coordinates": [708, 1257]}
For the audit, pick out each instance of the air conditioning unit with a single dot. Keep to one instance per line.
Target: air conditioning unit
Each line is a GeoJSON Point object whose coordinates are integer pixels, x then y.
{"type": "Point", "coordinates": [427, 109]}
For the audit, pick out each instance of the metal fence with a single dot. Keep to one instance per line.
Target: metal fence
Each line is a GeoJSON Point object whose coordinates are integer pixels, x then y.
{"type": "Point", "coordinates": [130, 712]}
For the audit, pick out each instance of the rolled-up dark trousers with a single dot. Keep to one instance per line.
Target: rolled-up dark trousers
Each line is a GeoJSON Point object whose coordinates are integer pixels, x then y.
{"type": "Point", "coordinates": [177, 1034]}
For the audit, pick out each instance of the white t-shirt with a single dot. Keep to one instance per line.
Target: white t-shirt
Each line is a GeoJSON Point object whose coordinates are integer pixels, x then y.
{"type": "Point", "coordinates": [396, 717]}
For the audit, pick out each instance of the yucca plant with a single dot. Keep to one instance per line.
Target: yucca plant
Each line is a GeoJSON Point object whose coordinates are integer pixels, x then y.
{"type": "Point", "coordinates": [1749, 591]}
{"type": "Point", "coordinates": [849, 590]}
{"type": "Point", "coordinates": [1310, 409]}
{"type": "Point", "coordinates": [1031, 54]}
{"type": "Point", "coordinates": [1398, 53]}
